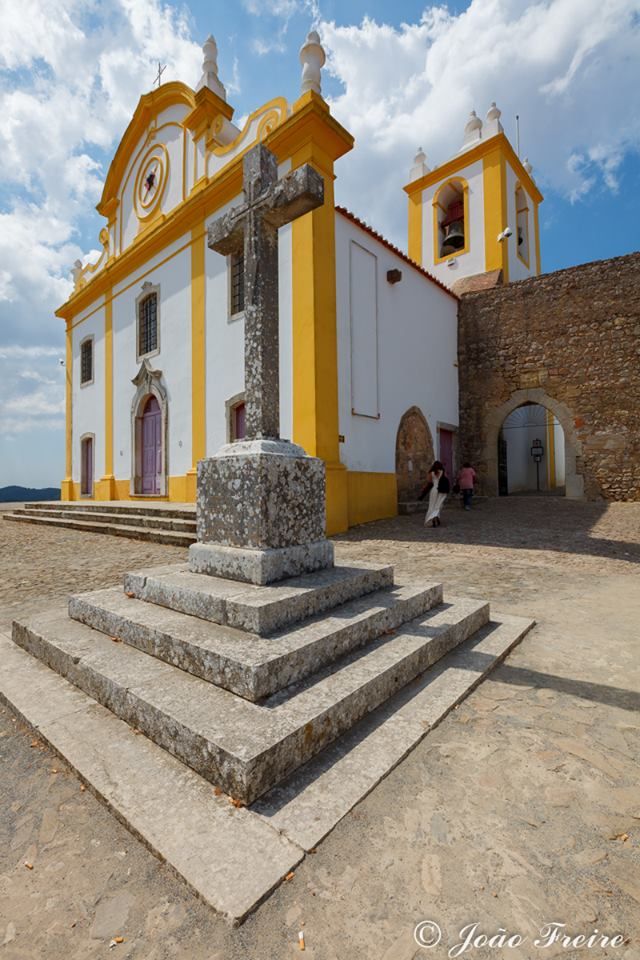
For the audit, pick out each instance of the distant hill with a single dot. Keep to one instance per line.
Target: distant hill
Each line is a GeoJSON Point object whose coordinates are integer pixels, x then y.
{"type": "Point", "coordinates": [14, 494]}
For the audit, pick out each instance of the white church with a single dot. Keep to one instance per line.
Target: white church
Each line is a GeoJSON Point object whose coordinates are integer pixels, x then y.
{"type": "Point", "coordinates": [368, 334]}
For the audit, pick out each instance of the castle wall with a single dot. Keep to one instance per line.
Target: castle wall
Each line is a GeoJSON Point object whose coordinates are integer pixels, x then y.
{"type": "Point", "coordinates": [571, 341]}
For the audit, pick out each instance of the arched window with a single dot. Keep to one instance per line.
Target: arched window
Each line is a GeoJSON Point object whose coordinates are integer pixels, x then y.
{"type": "Point", "coordinates": [451, 220]}
{"type": "Point", "coordinates": [522, 225]}
{"type": "Point", "coordinates": [148, 322]}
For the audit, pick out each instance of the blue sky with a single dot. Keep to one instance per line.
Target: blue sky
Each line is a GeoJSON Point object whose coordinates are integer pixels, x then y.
{"type": "Point", "coordinates": [399, 76]}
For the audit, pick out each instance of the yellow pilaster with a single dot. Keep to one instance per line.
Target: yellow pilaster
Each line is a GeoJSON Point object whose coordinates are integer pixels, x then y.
{"type": "Point", "coordinates": [105, 488]}
{"type": "Point", "coordinates": [494, 178]}
{"type": "Point", "coordinates": [551, 450]}
{"type": "Point", "coordinates": [66, 487]}
{"type": "Point", "coordinates": [315, 345]}
{"type": "Point", "coordinates": [198, 358]}
{"type": "Point", "coordinates": [415, 226]}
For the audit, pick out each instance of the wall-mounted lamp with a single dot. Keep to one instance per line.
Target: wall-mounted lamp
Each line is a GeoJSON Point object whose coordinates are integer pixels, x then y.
{"type": "Point", "coordinates": [394, 276]}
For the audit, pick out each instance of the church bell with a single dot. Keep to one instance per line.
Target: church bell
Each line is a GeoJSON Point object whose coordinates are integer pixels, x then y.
{"type": "Point", "coordinates": [453, 227]}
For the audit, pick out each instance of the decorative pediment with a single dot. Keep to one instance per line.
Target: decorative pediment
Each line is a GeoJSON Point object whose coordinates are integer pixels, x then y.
{"type": "Point", "coordinates": [148, 380]}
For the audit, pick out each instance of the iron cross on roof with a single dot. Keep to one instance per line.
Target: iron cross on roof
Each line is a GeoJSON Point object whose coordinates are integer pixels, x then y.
{"type": "Point", "coordinates": [252, 228]}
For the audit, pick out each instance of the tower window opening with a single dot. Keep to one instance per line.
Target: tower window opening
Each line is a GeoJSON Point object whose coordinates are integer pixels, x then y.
{"type": "Point", "coordinates": [449, 207]}
{"type": "Point", "coordinates": [522, 225]}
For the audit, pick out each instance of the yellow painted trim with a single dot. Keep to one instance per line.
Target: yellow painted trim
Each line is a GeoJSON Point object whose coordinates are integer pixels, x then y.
{"type": "Point", "coordinates": [415, 227]}
{"type": "Point", "coordinates": [105, 487]}
{"type": "Point", "coordinates": [436, 223]}
{"type": "Point", "coordinates": [372, 496]}
{"type": "Point", "coordinates": [479, 152]}
{"type": "Point", "coordinates": [277, 110]}
{"type": "Point", "coordinates": [551, 450]}
{"type": "Point", "coordinates": [198, 346]}
{"type": "Point", "coordinates": [66, 487]}
{"type": "Point", "coordinates": [494, 180]}
{"type": "Point", "coordinates": [536, 227]}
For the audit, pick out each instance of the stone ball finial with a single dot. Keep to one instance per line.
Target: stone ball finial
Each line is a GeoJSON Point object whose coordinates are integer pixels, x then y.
{"type": "Point", "coordinates": [473, 123]}
{"type": "Point", "coordinates": [492, 124]}
{"type": "Point", "coordinates": [209, 76]}
{"type": "Point", "coordinates": [527, 166]}
{"type": "Point", "coordinates": [312, 58]}
{"type": "Point", "coordinates": [493, 113]}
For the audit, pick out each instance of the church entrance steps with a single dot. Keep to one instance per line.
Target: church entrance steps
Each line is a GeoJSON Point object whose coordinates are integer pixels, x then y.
{"type": "Point", "coordinates": [250, 666]}
{"type": "Point", "coordinates": [257, 609]}
{"type": "Point", "coordinates": [233, 858]}
{"type": "Point", "coordinates": [157, 522]}
{"type": "Point", "coordinates": [243, 747]}
{"type": "Point", "coordinates": [172, 537]}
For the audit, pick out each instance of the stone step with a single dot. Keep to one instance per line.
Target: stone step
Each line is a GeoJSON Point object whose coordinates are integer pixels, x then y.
{"type": "Point", "coordinates": [250, 666]}
{"type": "Point", "coordinates": [172, 537]}
{"type": "Point", "coordinates": [245, 748]}
{"type": "Point", "coordinates": [128, 518]}
{"type": "Point", "coordinates": [143, 507]}
{"type": "Point", "coordinates": [232, 859]}
{"type": "Point", "coordinates": [258, 609]}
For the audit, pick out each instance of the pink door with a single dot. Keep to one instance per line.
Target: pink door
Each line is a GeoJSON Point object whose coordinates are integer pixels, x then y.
{"type": "Point", "coordinates": [86, 467]}
{"type": "Point", "coordinates": [151, 447]}
{"type": "Point", "coordinates": [239, 422]}
{"type": "Point", "coordinates": [446, 451]}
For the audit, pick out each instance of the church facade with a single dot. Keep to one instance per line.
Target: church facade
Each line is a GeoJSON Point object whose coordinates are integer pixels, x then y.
{"type": "Point", "coordinates": [369, 336]}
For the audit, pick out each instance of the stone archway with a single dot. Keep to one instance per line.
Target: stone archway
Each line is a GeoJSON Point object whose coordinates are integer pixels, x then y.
{"type": "Point", "coordinates": [574, 479]}
{"type": "Point", "coordinates": [414, 454]}
{"type": "Point", "coordinates": [149, 384]}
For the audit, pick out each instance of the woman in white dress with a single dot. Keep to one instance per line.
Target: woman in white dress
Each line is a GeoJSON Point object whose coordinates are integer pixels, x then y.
{"type": "Point", "coordinates": [437, 495]}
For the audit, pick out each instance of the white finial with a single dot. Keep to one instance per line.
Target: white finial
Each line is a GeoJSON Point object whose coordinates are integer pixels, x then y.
{"type": "Point", "coordinates": [528, 167]}
{"type": "Point", "coordinates": [419, 168]}
{"type": "Point", "coordinates": [312, 58]}
{"type": "Point", "coordinates": [472, 131]}
{"type": "Point", "coordinates": [209, 76]}
{"type": "Point", "coordinates": [492, 124]}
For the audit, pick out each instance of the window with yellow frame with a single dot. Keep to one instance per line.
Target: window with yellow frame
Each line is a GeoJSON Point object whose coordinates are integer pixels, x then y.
{"type": "Point", "coordinates": [451, 220]}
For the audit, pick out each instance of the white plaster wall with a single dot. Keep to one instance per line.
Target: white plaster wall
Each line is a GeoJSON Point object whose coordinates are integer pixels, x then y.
{"type": "Point", "coordinates": [465, 264]}
{"type": "Point", "coordinates": [225, 338]}
{"type": "Point", "coordinates": [174, 358]}
{"type": "Point", "coordinates": [171, 134]}
{"type": "Point", "coordinates": [417, 353]}
{"type": "Point", "coordinates": [517, 269]}
{"type": "Point", "coordinates": [88, 401]}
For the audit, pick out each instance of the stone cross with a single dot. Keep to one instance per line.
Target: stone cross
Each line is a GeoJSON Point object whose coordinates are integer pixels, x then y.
{"type": "Point", "coordinates": [252, 228]}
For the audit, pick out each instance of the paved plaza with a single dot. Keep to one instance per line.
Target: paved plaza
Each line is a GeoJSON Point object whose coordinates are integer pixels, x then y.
{"type": "Point", "coordinates": [522, 808]}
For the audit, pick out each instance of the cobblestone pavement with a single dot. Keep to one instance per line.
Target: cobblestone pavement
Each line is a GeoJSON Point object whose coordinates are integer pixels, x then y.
{"type": "Point", "coordinates": [522, 807]}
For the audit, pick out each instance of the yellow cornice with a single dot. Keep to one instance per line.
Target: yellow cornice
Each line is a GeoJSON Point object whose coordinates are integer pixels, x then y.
{"type": "Point", "coordinates": [312, 123]}
{"type": "Point", "coordinates": [208, 106]}
{"type": "Point", "coordinates": [149, 106]}
{"type": "Point", "coordinates": [483, 149]}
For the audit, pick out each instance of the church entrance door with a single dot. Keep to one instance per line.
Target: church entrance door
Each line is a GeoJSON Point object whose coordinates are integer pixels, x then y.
{"type": "Point", "coordinates": [151, 453]}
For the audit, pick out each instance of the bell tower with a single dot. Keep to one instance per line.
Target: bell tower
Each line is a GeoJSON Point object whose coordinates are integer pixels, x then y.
{"type": "Point", "coordinates": [477, 212]}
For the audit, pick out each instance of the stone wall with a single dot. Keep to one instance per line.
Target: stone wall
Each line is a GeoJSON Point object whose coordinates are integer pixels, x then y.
{"type": "Point", "coordinates": [571, 341]}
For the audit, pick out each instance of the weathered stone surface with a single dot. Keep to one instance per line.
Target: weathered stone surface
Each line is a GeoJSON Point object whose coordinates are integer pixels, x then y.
{"type": "Point", "coordinates": [248, 665]}
{"type": "Point", "coordinates": [243, 747]}
{"type": "Point", "coordinates": [307, 805]}
{"type": "Point", "coordinates": [259, 566]}
{"type": "Point", "coordinates": [261, 495]}
{"type": "Point", "coordinates": [568, 340]}
{"type": "Point", "coordinates": [251, 607]}
{"type": "Point", "coordinates": [230, 858]}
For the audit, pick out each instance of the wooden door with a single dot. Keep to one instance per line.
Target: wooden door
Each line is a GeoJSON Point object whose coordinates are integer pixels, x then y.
{"type": "Point", "coordinates": [86, 467]}
{"type": "Point", "coordinates": [151, 437]}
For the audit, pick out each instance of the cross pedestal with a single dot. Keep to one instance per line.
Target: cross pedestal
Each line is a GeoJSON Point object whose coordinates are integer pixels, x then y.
{"type": "Point", "coordinates": [261, 501]}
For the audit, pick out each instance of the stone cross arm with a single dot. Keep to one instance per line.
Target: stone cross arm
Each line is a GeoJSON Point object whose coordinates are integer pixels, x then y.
{"type": "Point", "coordinates": [299, 192]}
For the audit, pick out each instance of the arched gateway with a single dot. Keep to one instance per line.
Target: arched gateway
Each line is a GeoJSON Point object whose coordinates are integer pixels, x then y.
{"type": "Point", "coordinates": [414, 454]}
{"type": "Point", "coordinates": [574, 480]}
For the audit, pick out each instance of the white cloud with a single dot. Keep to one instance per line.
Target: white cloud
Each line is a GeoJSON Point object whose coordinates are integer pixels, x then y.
{"type": "Point", "coordinates": [560, 64]}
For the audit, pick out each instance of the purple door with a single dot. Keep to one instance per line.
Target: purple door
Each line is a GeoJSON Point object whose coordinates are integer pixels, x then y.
{"type": "Point", "coordinates": [446, 451]}
{"type": "Point", "coordinates": [86, 467]}
{"type": "Point", "coordinates": [151, 447]}
{"type": "Point", "coordinates": [239, 422]}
